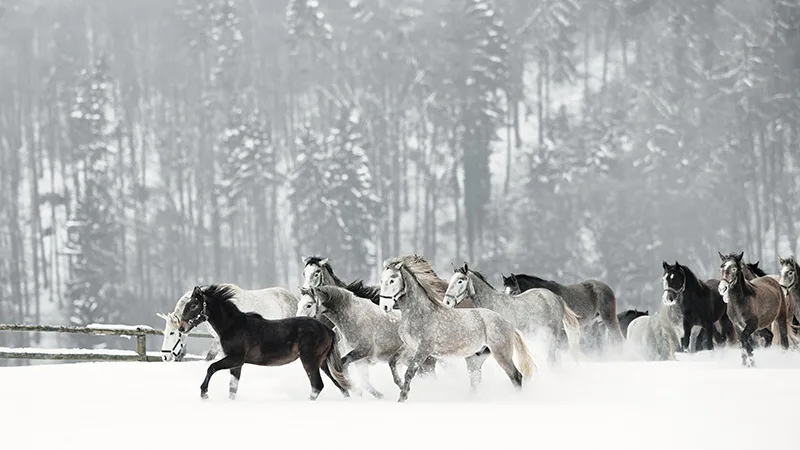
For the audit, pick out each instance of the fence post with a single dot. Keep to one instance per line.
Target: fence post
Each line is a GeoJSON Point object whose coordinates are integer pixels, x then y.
{"type": "Point", "coordinates": [141, 346]}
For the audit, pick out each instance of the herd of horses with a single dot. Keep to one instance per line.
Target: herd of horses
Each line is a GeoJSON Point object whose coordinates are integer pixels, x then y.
{"type": "Point", "coordinates": [416, 319]}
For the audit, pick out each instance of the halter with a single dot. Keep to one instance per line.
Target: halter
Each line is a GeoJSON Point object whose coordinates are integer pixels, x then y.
{"type": "Point", "coordinates": [455, 299]}
{"type": "Point", "coordinates": [394, 297]}
{"type": "Point", "coordinates": [198, 319]}
{"type": "Point", "coordinates": [172, 351]}
{"type": "Point", "coordinates": [682, 288]}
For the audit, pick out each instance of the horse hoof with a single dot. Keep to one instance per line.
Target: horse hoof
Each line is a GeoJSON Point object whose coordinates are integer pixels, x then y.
{"type": "Point", "coordinates": [204, 395]}
{"type": "Point", "coordinates": [232, 396]}
{"type": "Point", "coordinates": [313, 396]}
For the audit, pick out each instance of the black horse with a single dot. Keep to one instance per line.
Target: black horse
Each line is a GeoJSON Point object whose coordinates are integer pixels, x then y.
{"type": "Point", "coordinates": [250, 338]}
{"type": "Point", "coordinates": [700, 304]}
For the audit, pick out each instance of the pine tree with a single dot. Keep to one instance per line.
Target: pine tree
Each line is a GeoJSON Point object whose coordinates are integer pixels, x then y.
{"type": "Point", "coordinates": [350, 194]}
{"type": "Point", "coordinates": [94, 288]}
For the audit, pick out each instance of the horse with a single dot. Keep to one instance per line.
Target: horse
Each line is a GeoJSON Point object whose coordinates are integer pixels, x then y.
{"type": "Point", "coordinates": [373, 335]}
{"type": "Point", "coordinates": [698, 302]}
{"type": "Point", "coordinates": [531, 311]}
{"type": "Point", "coordinates": [249, 338]}
{"type": "Point", "coordinates": [656, 337]}
{"type": "Point", "coordinates": [587, 298]}
{"type": "Point", "coordinates": [752, 305]}
{"type": "Point", "coordinates": [272, 303]}
{"type": "Point", "coordinates": [429, 328]}
{"type": "Point", "coordinates": [788, 281]}
{"type": "Point", "coordinates": [317, 271]}
{"type": "Point", "coordinates": [592, 335]}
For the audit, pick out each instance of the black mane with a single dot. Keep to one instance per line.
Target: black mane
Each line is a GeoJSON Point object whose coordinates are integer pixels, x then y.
{"type": "Point", "coordinates": [464, 270]}
{"type": "Point", "coordinates": [756, 270]}
{"type": "Point", "coordinates": [219, 293]}
{"type": "Point", "coordinates": [359, 289]}
{"type": "Point", "coordinates": [536, 282]}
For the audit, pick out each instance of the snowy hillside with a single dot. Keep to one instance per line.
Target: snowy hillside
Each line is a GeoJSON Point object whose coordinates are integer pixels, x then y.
{"type": "Point", "coordinates": [699, 402]}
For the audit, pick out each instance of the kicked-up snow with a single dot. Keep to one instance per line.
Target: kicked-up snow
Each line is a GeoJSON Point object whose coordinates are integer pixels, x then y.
{"type": "Point", "coordinates": [705, 401]}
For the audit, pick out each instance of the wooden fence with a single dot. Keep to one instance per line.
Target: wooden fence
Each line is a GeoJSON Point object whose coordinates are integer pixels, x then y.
{"type": "Point", "coordinates": [140, 332]}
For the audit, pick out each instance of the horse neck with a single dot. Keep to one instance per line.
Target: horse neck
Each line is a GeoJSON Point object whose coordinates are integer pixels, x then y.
{"type": "Point", "coordinates": [485, 296]}
{"type": "Point", "coordinates": [551, 286]}
{"type": "Point", "coordinates": [222, 315]}
{"type": "Point", "coordinates": [329, 279]}
{"type": "Point", "coordinates": [740, 290]}
{"type": "Point", "coordinates": [340, 309]}
{"type": "Point", "coordinates": [416, 301]}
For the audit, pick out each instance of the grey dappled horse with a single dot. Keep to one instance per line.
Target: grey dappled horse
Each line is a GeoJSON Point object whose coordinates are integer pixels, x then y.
{"type": "Point", "coordinates": [427, 327]}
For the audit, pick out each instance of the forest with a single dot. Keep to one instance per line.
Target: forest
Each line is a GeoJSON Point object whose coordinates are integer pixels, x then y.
{"type": "Point", "coordinates": [149, 146]}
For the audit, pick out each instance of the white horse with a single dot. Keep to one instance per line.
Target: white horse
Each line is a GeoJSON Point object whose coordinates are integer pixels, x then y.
{"type": "Point", "coordinates": [656, 337]}
{"type": "Point", "coordinates": [271, 303]}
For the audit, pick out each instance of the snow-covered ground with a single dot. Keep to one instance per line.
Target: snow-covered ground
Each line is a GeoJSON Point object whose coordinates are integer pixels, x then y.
{"type": "Point", "coordinates": [704, 401]}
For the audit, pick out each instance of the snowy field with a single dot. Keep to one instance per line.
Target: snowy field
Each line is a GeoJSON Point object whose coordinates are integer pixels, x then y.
{"type": "Point", "coordinates": [704, 401]}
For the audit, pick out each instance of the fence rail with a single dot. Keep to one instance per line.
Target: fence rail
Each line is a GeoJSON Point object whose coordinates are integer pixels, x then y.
{"type": "Point", "coordinates": [140, 332]}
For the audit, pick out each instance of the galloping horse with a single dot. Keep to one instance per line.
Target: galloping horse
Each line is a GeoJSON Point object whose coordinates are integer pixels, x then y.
{"type": "Point", "coordinates": [587, 299]}
{"type": "Point", "coordinates": [752, 305]}
{"type": "Point", "coordinates": [427, 327]}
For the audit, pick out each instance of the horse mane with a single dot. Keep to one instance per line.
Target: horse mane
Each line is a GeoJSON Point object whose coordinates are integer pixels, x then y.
{"type": "Point", "coordinates": [422, 272]}
{"type": "Point", "coordinates": [324, 263]}
{"type": "Point", "coordinates": [359, 289]}
{"type": "Point", "coordinates": [757, 271]}
{"type": "Point", "coordinates": [464, 270]}
{"type": "Point", "coordinates": [690, 278]}
{"type": "Point", "coordinates": [533, 279]}
{"type": "Point", "coordinates": [221, 292]}
{"type": "Point", "coordinates": [790, 260]}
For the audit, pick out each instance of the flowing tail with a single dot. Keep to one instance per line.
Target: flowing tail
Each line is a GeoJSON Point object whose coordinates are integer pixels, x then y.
{"type": "Point", "coordinates": [526, 364]}
{"type": "Point", "coordinates": [573, 329]}
{"type": "Point", "coordinates": [334, 361]}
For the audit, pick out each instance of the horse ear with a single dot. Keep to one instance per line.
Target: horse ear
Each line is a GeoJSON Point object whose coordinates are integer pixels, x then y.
{"type": "Point", "coordinates": [664, 265]}
{"type": "Point", "coordinates": [755, 264]}
{"type": "Point", "coordinates": [466, 268]}
{"type": "Point", "coordinates": [197, 291]}
{"type": "Point", "coordinates": [324, 261]}
{"type": "Point", "coordinates": [162, 316]}
{"type": "Point", "coordinates": [721, 256]}
{"type": "Point", "coordinates": [676, 264]}
{"type": "Point", "coordinates": [740, 256]}
{"type": "Point", "coordinates": [781, 261]}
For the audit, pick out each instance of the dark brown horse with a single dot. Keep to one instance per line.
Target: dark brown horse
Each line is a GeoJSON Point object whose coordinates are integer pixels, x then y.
{"type": "Point", "coordinates": [752, 304]}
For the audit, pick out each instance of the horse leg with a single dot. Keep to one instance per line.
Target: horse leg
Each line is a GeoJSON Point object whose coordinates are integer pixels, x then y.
{"type": "Point", "coordinates": [746, 340]}
{"type": "Point", "coordinates": [411, 371]}
{"type": "Point", "coordinates": [608, 313]}
{"type": "Point", "coordinates": [228, 362]}
{"type": "Point", "coordinates": [687, 335]}
{"type": "Point", "coordinates": [312, 365]}
{"type": "Point", "coordinates": [728, 332]}
{"type": "Point", "coordinates": [708, 328]}
{"type": "Point", "coordinates": [236, 374]}
{"type": "Point", "coordinates": [363, 370]}
{"type": "Point", "coordinates": [506, 362]}
{"type": "Point", "coordinates": [327, 370]}
{"type": "Point", "coordinates": [474, 364]}
{"type": "Point", "coordinates": [401, 353]}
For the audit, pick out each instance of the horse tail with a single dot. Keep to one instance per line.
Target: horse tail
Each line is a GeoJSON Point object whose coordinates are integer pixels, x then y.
{"type": "Point", "coordinates": [573, 329]}
{"type": "Point", "coordinates": [334, 361]}
{"type": "Point", "coordinates": [526, 364]}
